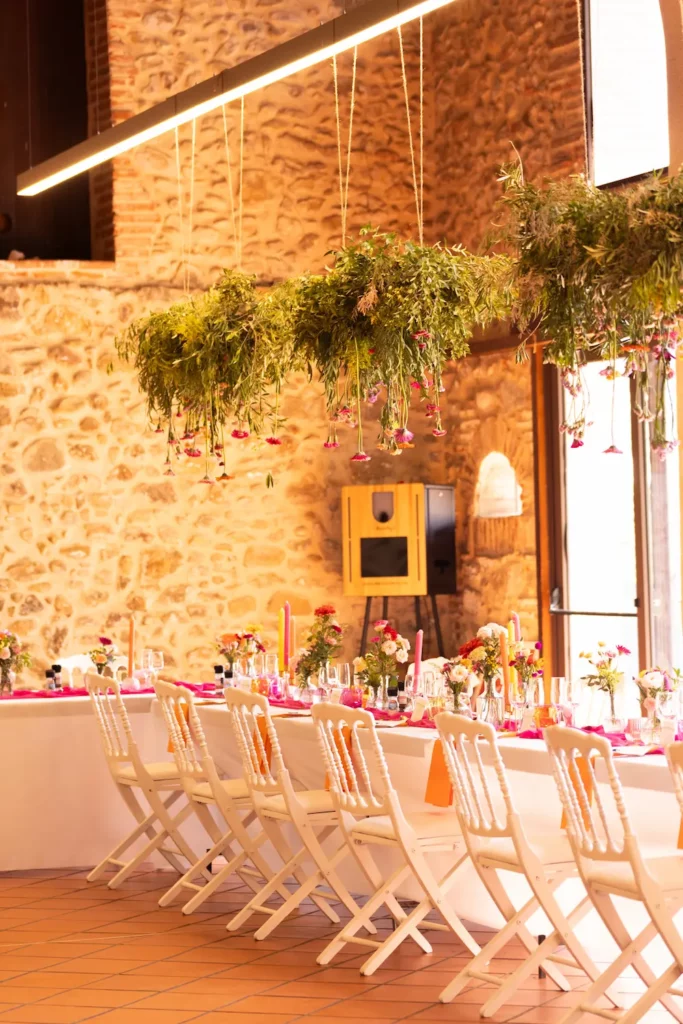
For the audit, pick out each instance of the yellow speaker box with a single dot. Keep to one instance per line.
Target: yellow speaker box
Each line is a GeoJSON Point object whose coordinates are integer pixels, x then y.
{"type": "Point", "coordinates": [384, 540]}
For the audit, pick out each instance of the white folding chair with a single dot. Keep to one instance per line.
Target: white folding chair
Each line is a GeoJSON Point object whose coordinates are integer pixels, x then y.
{"type": "Point", "coordinates": [497, 841]}
{"type": "Point", "coordinates": [371, 815]}
{"type": "Point", "coordinates": [611, 864]}
{"type": "Point", "coordinates": [130, 773]}
{"type": "Point", "coordinates": [310, 812]}
{"type": "Point", "coordinates": [205, 789]}
{"type": "Point", "coordinates": [75, 668]}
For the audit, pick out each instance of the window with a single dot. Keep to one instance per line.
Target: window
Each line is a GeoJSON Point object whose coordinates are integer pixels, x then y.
{"type": "Point", "coordinates": [628, 89]}
{"type": "Point", "coordinates": [498, 495]}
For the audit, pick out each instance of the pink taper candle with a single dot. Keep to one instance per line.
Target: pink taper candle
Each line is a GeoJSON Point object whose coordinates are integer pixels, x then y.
{"type": "Point", "coordinates": [131, 646]}
{"type": "Point", "coordinates": [505, 665]}
{"type": "Point", "coordinates": [418, 658]}
{"type": "Point", "coordinates": [516, 626]}
{"type": "Point", "coordinates": [287, 637]}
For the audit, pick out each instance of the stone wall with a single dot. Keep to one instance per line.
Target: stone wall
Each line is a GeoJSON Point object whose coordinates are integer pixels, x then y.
{"type": "Point", "coordinates": [93, 529]}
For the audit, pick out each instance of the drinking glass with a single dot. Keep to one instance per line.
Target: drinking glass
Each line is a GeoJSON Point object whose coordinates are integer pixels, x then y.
{"type": "Point", "coordinates": [344, 674]}
{"type": "Point", "coordinates": [666, 710]}
{"type": "Point", "coordinates": [157, 661]}
{"type": "Point", "coordinates": [272, 665]}
{"type": "Point", "coordinates": [147, 658]}
{"type": "Point", "coordinates": [559, 699]}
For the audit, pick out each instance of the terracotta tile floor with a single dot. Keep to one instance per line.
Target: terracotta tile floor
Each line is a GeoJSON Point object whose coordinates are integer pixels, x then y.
{"type": "Point", "coordinates": [73, 952]}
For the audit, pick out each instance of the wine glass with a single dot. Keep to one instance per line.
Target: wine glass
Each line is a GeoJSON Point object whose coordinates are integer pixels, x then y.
{"type": "Point", "coordinates": [272, 665]}
{"type": "Point", "coordinates": [157, 662]}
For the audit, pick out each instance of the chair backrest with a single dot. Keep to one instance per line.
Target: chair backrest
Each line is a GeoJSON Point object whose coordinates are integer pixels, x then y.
{"type": "Point", "coordinates": [185, 732]}
{"type": "Point", "coordinates": [484, 803]}
{"type": "Point", "coordinates": [594, 829]}
{"type": "Point", "coordinates": [348, 772]}
{"type": "Point", "coordinates": [79, 664]}
{"type": "Point", "coordinates": [674, 759]}
{"type": "Point", "coordinates": [257, 742]}
{"type": "Point", "coordinates": [112, 720]}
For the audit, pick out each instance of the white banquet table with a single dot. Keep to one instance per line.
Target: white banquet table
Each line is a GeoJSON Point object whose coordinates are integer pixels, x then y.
{"type": "Point", "coordinates": [60, 808]}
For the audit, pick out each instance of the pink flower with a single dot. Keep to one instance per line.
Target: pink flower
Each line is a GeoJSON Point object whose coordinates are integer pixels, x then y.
{"type": "Point", "coordinates": [403, 435]}
{"type": "Point", "coordinates": [336, 628]}
{"type": "Point", "coordinates": [192, 453]}
{"type": "Point", "coordinates": [273, 440]}
{"type": "Point", "coordinates": [420, 334]}
{"type": "Point", "coordinates": [331, 444]}
{"type": "Point", "coordinates": [612, 450]}
{"type": "Point", "coordinates": [239, 435]}
{"type": "Point", "coordinates": [105, 641]}
{"type": "Point", "coordinates": [380, 624]}
{"type": "Point", "coordinates": [622, 649]}
{"type": "Point", "coordinates": [360, 457]}
{"type": "Point", "coordinates": [577, 443]}
{"type": "Point", "coordinates": [325, 609]}
{"type": "Point", "coordinates": [439, 432]}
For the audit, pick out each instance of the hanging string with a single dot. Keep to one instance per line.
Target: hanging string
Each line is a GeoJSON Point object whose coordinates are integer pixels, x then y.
{"type": "Point", "coordinates": [586, 151]}
{"type": "Point", "coordinates": [191, 209]}
{"type": "Point", "coordinates": [345, 178]}
{"type": "Point", "coordinates": [181, 227]}
{"type": "Point", "coordinates": [410, 133]}
{"type": "Point", "coordinates": [422, 131]}
{"type": "Point", "coordinates": [241, 203]}
{"type": "Point", "coordinates": [230, 188]}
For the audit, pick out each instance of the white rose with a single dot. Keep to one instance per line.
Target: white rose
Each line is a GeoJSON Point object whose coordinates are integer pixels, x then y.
{"type": "Point", "coordinates": [460, 674]}
{"type": "Point", "coordinates": [401, 657]}
{"type": "Point", "coordinates": [390, 647]}
{"type": "Point", "coordinates": [651, 679]}
{"type": "Point", "coordinates": [496, 628]}
{"type": "Point", "coordinates": [484, 633]}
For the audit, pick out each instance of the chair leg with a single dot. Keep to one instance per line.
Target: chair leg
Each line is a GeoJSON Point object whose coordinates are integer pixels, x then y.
{"type": "Point", "coordinates": [170, 832]}
{"type": "Point", "coordinates": [145, 827]}
{"type": "Point", "coordinates": [612, 921]}
{"type": "Point", "coordinates": [423, 873]}
{"type": "Point", "coordinates": [186, 882]}
{"type": "Point", "coordinates": [365, 859]}
{"type": "Point", "coordinates": [651, 995]}
{"type": "Point", "coordinates": [277, 840]}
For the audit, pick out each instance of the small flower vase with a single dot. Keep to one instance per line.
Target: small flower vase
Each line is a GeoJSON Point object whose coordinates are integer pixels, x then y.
{"type": "Point", "coordinates": [491, 705]}
{"type": "Point", "coordinates": [7, 678]}
{"type": "Point", "coordinates": [612, 720]}
{"type": "Point", "coordinates": [100, 669]}
{"type": "Point", "coordinates": [382, 694]}
{"type": "Point", "coordinates": [371, 697]}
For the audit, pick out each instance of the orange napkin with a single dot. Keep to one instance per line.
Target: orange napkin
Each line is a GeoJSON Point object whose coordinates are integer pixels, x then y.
{"type": "Point", "coordinates": [680, 836]}
{"type": "Point", "coordinates": [439, 791]}
{"type": "Point", "coordinates": [587, 779]}
{"type": "Point", "coordinates": [182, 711]}
{"type": "Point", "coordinates": [346, 739]}
{"type": "Point", "coordinates": [265, 739]}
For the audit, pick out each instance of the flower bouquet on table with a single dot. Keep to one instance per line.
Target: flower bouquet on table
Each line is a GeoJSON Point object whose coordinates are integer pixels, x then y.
{"type": "Point", "coordinates": [235, 646]}
{"type": "Point", "coordinates": [606, 676]}
{"type": "Point", "coordinates": [13, 657]}
{"type": "Point", "coordinates": [462, 681]}
{"type": "Point", "coordinates": [325, 640]}
{"type": "Point", "coordinates": [378, 668]}
{"type": "Point", "coordinates": [653, 684]}
{"type": "Point", "coordinates": [104, 654]}
{"type": "Point", "coordinates": [484, 653]}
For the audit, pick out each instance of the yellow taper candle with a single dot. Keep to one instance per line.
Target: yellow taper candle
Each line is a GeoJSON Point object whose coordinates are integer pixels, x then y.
{"type": "Point", "coordinates": [505, 665]}
{"type": "Point", "coordinates": [511, 641]}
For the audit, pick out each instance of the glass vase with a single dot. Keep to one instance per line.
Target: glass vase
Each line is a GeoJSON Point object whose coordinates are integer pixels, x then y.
{"type": "Point", "coordinates": [6, 678]}
{"type": "Point", "coordinates": [491, 704]}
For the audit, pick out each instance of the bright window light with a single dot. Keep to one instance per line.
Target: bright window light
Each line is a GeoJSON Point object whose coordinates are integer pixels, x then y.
{"type": "Point", "coordinates": [629, 94]}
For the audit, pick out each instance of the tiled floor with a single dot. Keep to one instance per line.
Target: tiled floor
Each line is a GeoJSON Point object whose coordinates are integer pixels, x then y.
{"type": "Point", "coordinates": [70, 952]}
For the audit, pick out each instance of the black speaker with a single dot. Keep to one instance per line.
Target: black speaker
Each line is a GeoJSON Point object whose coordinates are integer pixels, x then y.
{"type": "Point", "coordinates": [440, 537]}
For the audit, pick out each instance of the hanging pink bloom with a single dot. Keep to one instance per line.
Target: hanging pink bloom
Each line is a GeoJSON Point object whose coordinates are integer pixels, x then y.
{"type": "Point", "coordinates": [159, 430]}
{"type": "Point", "coordinates": [331, 444]}
{"type": "Point", "coordinates": [577, 443]}
{"type": "Point", "coordinates": [218, 447]}
{"type": "Point", "coordinates": [403, 435]}
{"type": "Point", "coordinates": [360, 457]}
{"type": "Point", "coordinates": [206, 480]}
{"type": "Point", "coordinates": [169, 472]}
{"type": "Point", "coordinates": [273, 440]}
{"type": "Point", "coordinates": [192, 453]}
{"type": "Point", "coordinates": [420, 334]}
{"type": "Point", "coordinates": [239, 435]}
{"type": "Point", "coordinates": [372, 396]}
{"type": "Point", "coordinates": [439, 432]}
{"type": "Point", "coordinates": [612, 450]}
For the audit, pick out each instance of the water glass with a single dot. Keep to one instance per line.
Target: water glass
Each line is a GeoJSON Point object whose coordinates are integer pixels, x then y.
{"type": "Point", "coordinates": [157, 661]}
{"type": "Point", "coordinates": [147, 658]}
{"type": "Point", "coordinates": [272, 666]}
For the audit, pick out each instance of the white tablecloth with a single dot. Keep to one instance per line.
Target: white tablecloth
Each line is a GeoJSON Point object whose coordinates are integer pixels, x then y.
{"type": "Point", "coordinates": [60, 808]}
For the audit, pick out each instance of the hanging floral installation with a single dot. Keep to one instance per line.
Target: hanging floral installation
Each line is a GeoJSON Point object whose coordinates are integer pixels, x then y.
{"type": "Point", "coordinates": [378, 326]}
{"type": "Point", "coordinates": [600, 271]}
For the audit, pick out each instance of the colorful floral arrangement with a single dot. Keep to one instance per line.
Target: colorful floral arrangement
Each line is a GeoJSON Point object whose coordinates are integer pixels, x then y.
{"type": "Point", "coordinates": [233, 646]}
{"type": "Point", "coordinates": [483, 651]}
{"type": "Point", "coordinates": [104, 654]}
{"type": "Point", "coordinates": [653, 681]}
{"type": "Point", "coordinates": [600, 271]}
{"type": "Point", "coordinates": [13, 657]}
{"type": "Point", "coordinates": [526, 660]}
{"type": "Point", "coordinates": [606, 674]}
{"type": "Point", "coordinates": [325, 640]}
{"type": "Point", "coordinates": [389, 650]}
{"type": "Point", "coordinates": [460, 679]}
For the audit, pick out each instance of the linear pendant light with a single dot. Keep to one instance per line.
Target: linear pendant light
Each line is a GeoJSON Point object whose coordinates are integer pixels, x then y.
{"type": "Point", "coordinates": [343, 33]}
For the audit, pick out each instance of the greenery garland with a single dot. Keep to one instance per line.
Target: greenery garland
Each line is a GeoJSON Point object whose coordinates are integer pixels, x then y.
{"type": "Point", "coordinates": [602, 271]}
{"type": "Point", "coordinates": [380, 323]}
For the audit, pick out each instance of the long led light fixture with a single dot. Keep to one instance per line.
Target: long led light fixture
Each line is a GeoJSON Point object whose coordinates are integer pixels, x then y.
{"type": "Point", "coordinates": [358, 26]}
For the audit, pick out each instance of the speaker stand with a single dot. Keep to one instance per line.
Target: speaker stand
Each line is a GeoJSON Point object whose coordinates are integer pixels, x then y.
{"type": "Point", "coordinates": [418, 622]}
